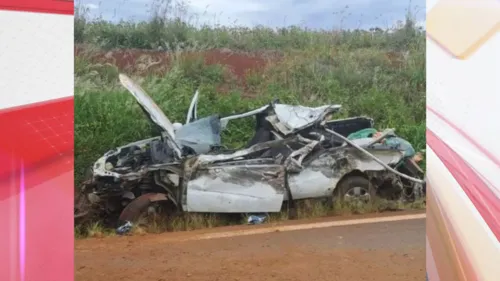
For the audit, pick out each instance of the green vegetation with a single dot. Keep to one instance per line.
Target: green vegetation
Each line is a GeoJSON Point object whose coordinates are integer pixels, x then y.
{"type": "Point", "coordinates": [306, 209]}
{"type": "Point", "coordinates": [170, 28]}
{"type": "Point", "coordinates": [377, 73]}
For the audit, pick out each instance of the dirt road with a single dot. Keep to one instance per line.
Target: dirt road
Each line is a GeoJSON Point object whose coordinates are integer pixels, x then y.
{"type": "Point", "coordinates": [389, 250]}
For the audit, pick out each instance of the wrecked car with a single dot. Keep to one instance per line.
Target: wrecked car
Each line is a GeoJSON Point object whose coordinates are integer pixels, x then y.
{"type": "Point", "coordinates": [294, 154]}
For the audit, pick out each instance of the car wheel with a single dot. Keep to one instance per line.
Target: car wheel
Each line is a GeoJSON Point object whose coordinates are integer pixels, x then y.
{"type": "Point", "coordinates": [143, 210]}
{"type": "Point", "coordinates": [355, 190]}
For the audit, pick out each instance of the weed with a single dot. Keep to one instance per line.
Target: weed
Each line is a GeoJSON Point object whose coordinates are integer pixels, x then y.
{"type": "Point", "coordinates": [306, 209]}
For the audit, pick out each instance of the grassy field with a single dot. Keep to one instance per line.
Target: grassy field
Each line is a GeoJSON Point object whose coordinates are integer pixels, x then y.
{"type": "Point", "coordinates": [377, 73]}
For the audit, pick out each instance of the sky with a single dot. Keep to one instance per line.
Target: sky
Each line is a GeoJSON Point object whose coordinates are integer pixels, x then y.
{"type": "Point", "coordinates": [318, 14]}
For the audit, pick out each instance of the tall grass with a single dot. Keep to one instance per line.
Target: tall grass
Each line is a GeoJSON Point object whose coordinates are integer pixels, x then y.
{"type": "Point", "coordinates": [378, 73]}
{"type": "Point", "coordinates": [171, 26]}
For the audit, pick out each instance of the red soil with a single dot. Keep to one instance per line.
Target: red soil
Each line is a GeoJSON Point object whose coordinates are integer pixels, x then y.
{"type": "Point", "coordinates": [237, 64]}
{"type": "Point", "coordinates": [145, 62]}
{"type": "Point", "coordinates": [391, 251]}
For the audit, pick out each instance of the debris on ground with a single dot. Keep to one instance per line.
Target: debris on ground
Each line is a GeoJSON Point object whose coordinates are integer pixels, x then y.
{"type": "Point", "coordinates": [125, 228]}
{"type": "Point", "coordinates": [256, 218]}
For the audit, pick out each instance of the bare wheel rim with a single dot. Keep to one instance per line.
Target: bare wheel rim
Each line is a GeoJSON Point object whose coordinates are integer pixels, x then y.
{"type": "Point", "coordinates": [149, 215]}
{"type": "Point", "coordinates": [357, 194]}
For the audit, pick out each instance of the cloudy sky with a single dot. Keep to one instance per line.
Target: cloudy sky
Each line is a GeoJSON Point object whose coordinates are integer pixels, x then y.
{"type": "Point", "coordinates": [326, 14]}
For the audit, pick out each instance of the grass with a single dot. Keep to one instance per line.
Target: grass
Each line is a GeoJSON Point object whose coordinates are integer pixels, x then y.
{"type": "Point", "coordinates": [306, 209]}
{"type": "Point", "coordinates": [377, 73]}
{"type": "Point", "coordinates": [170, 26]}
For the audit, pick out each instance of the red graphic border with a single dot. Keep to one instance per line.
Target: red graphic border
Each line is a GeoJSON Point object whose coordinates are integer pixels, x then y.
{"type": "Point", "coordinates": [36, 191]}
{"type": "Point", "coordinates": [64, 7]}
{"type": "Point", "coordinates": [484, 200]}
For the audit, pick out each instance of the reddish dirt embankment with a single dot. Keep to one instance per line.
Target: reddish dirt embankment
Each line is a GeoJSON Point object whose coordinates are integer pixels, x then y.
{"type": "Point", "coordinates": [143, 62]}
{"type": "Point", "coordinates": [158, 62]}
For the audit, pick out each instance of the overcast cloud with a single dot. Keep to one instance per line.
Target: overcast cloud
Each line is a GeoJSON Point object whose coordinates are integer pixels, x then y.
{"type": "Point", "coordinates": [326, 14]}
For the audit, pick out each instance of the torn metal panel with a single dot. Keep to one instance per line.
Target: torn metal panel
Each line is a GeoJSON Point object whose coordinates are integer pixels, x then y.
{"type": "Point", "coordinates": [296, 117]}
{"type": "Point", "coordinates": [320, 174]}
{"type": "Point", "coordinates": [258, 161]}
{"type": "Point", "coordinates": [311, 183]}
{"type": "Point", "coordinates": [374, 158]}
{"type": "Point", "coordinates": [192, 113]}
{"type": "Point", "coordinates": [172, 167]}
{"type": "Point", "coordinates": [236, 189]}
{"type": "Point", "coordinates": [364, 163]}
{"type": "Point", "coordinates": [224, 121]}
{"type": "Point", "coordinates": [296, 164]}
{"type": "Point", "coordinates": [154, 111]}
{"type": "Point", "coordinates": [210, 158]}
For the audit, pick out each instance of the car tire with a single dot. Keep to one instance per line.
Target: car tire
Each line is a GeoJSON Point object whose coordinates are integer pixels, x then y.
{"type": "Point", "coordinates": [355, 188]}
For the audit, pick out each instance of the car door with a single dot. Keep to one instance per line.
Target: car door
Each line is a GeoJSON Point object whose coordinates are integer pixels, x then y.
{"type": "Point", "coordinates": [236, 186]}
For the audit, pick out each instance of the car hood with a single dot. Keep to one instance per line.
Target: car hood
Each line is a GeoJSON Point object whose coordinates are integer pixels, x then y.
{"type": "Point", "coordinates": [150, 107]}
